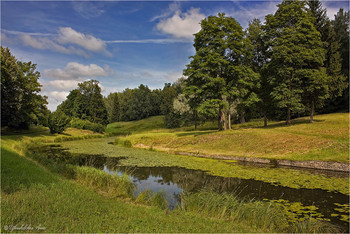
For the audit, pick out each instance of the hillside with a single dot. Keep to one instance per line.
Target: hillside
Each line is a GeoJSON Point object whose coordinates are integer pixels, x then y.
{"type": "Point", "coordinates": [327, 139]}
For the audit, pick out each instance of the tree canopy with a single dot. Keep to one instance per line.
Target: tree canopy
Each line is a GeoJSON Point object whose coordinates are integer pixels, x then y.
{"type": "Point", "coordinates": [21, 103]}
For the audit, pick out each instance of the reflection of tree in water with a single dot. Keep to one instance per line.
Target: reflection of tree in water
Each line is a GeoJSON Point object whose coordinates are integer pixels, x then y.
{"type": "Point", "coordinates": [186, 179]}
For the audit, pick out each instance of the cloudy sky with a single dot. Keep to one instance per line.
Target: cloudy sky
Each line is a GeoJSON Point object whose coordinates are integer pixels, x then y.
{"type": "Point", "coordinates": [120, 43]}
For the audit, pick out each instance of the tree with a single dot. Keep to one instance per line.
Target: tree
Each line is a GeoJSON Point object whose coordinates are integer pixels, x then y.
{"type": "Point", "coordinates": [58, 122]}
{"type": "Point", "coordinates": [86, 102]}
{"type": "Point", "coordinates": [218, 72]}
{"type": "Point", "coordinates": [113, 107]}
{"type": "Point", "coordinates": [297, 59]}
{"type": "Point", "coordinates": [21, 103]}
{"type": "Point", "coordinates": [256, 35]}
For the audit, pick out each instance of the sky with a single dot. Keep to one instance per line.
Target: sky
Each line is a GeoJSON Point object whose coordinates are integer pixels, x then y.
{"type": "Point", "coordinates": [122, 44]}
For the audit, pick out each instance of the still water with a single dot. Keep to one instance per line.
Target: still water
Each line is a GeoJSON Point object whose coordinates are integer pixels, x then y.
{"type": "Point", "coordinates": [175, 180]}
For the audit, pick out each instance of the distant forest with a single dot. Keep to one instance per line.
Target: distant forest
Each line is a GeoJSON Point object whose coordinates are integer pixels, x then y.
{"type": "Point", "coordinates": [294, 64]}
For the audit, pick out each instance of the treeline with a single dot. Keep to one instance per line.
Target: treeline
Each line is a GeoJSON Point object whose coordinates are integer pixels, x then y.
{"type": "Point", "coordinates": [295, 63]}
{"type": "Point", "coordinates": [139, 103]}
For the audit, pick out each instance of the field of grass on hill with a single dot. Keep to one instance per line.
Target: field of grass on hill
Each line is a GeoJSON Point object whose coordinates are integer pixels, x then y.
{"type": "Point", "coordinates": [326, 139]}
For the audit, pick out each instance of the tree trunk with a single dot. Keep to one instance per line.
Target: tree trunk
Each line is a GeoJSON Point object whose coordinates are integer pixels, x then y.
{"type": "Point", "coordinates": [219, 120]}
{"type": "Point", "coordinates": [223, 120]}
{"type": "Point", "coordinates": [288, 116]}
{"type": "Point", "coordinates": [229, 120]}
{"type": "Point", "coordinates": [195, 120]}
{"type": "Point", "coordinates": [265, 120]}
{"type": "Point", "coordinates": [312, 111]}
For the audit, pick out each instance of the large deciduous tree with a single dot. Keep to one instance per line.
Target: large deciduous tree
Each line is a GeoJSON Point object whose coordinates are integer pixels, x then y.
{"type": "Point", "coordinates": [21, 103]}
{"type": "Point", "coordinates": [217, 72]}
{"type": "Point", "coordinates": [86, 102]}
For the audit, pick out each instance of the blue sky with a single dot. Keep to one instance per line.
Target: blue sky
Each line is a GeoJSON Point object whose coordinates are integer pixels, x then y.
{"type": "Point", "coordinates": [120, 43]}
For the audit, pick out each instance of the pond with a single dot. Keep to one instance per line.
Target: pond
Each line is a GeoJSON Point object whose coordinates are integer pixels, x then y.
{"type": "Point", "coordinates": [332, 206]}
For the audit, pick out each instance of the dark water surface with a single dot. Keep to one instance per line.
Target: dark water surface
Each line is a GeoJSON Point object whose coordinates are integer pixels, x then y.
{"type": "Point", "coordinates": [175, 180]}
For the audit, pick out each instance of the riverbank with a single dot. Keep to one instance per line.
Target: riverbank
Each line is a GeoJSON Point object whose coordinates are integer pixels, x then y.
{"type": "Point", "coordinates": [327, 139]}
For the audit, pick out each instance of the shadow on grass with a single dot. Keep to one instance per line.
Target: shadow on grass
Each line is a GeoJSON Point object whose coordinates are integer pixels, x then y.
{"type": "Point", "coordinates": [19, 173]}
{"type": "Point", "coordinates": [195, 133]}
{"type": "Point", "coordinates": [293, 122]}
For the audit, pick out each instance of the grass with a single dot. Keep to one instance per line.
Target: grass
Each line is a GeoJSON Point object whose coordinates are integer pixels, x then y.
{"type": "Point", "coordinates": [64, 198]}
{"type": "Point", "coordinates": [265, 215]}
{"type": "Point", "coordinates": [327, 139]}
{"type": "Point", "coordinates": [33, 195]}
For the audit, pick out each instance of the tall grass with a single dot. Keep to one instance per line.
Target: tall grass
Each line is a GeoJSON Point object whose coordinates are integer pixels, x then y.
{"type": "Point", "coordinates": [119, 186]}
{"type": "Point", "coordinates": [266, 216]}
{"type": "Point", "coordinates": [150, 198]}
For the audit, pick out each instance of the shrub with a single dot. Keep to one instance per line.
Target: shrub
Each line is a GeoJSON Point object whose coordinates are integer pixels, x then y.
{"type": "Point", "coordinates": [127, 143]}
{"type": "Point", "coordinates": [87, 125]}
{"type": "Point", "coordinates": [58, 122]}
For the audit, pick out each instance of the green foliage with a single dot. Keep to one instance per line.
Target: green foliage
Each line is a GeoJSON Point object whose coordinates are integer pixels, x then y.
{"type": "Point", "coordinates": [219, 73]}
{"type": "Point", "coordinates": [113, 107]}
{"type": "Point", "coordinates": [58, 122]}
{"type": "Point", "coordinates": [298, 54]}
{"type": "Point", "coordinates": [21, 103]}
{"type": "Point", "coordinates": [127, 143]}
{"type": "Point", "coordinates": [172, 120]}
{"type": "Point", "coordinates": [85, 124]}
{"type": "Point", "coordinates": [86, 102]}
{"type": "Point", "coordinates": [139, 103]}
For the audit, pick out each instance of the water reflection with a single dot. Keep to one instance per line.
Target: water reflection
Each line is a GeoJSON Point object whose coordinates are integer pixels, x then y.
{"type": "Point", "coordinates": [174, 180]}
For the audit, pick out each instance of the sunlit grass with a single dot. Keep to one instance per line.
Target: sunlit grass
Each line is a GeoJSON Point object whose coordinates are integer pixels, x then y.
{"type": "Point", "coordinates": [326, 139]}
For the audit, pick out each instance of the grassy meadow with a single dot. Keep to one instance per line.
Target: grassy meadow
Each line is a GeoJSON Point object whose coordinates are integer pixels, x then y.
{"type": "Point", "coordinates": [327, 139]}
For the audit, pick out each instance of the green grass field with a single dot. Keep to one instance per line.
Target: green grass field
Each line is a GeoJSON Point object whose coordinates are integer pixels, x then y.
{"type": "Point", "coordinates": [326, 139]}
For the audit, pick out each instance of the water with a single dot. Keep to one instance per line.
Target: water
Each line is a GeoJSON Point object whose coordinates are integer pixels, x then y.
{"type": "Point", "coordinates": [175, 180]}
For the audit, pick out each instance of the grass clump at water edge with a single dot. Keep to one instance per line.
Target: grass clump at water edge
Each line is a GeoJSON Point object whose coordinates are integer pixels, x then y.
{"type": "Point", "coordinates": [264, 215]}
{"type": "Point", "coordinates": [150, 198]}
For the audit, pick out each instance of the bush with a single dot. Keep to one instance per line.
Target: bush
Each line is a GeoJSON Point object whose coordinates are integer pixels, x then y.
{"type": "Point", "coordinates": [127, 143]}
{"type": "Point", "coordinates": [58, 122]}
{"type": "Point", "coordinates": [87, 125]}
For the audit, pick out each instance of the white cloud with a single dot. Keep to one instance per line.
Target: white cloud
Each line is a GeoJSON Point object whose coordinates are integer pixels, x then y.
{"type": "Point", "coordinates": [146, 41]}
{"type": "Point", "coordinates": [182, 25]}
{"type": "Point", "coordinates": [77, 71]}
{"type": "Point", "coordinates": [42, 43]}
{"type": "Point", "coordinates": [67, 35]}
{"type": "Point", "coordinates": [87, 9]}
{"type": "Point", "coordinates": [67, 41]}
{"type": "Point", "coordinates": [64, 84]}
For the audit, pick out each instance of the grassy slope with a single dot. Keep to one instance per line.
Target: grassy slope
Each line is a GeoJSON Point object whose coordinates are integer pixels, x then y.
{"type": "Point", "coordinates": [326, 139]}
{"type": "Point", "coordinates": [31, 195]}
